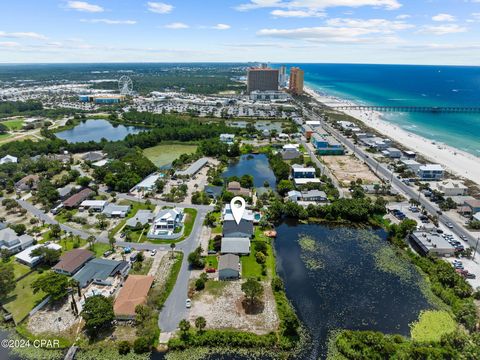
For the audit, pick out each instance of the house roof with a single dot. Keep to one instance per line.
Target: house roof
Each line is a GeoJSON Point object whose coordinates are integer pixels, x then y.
{"type": "Point", "coordinates": [231, 229]}
{"type": "Point", "coordinates": [9, 237]}
{"type": "Point", "coordinates": [233, 185]}
{"type": "Point", "coordinates": [142, 217]}
{"type": "Point", "coordinates": [90, 203]}
{"type": "Point", "coordinates": [113, 208]}
{"type": "Point", "coordinates": [167, 214]}
{"type": "Point", "coordinates": [73, 259]}
{"type": "Point", "coordinates": [134, 292]}
{"type": "Point", "coordinates": [235, 245]}
{"type": "Point", "coordinates": [93, 156]}
{"type": "Point", "coordinates": [78, 197]}
{"type": "Point", "coordinates": [473, 203]}
{"type": "Point", "coordinates": [27, 258]}
{"type": "Point", "coordinates": [100, 269]}
{"type": "Point", "coordinates": [228, 261]}
{"type": "Point", "coordinates": [193, 168]}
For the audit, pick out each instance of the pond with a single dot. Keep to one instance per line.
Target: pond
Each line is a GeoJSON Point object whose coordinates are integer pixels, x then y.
{"type": "Point", "coordinates": [95, 130]}
{"type": "Point", "coordinates": [255, 165]}
{"type": "Point", "coordinates": [346, 278]}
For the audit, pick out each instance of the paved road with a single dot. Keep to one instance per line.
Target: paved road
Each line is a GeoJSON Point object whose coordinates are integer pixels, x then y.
{"type": "Point", "coordinates": [388, 176]}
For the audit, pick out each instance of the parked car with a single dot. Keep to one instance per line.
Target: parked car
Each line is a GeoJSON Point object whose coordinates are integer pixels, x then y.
{"type": "Point", "coordinates": [210, 270]}
{"type": "Point", "coordinates": [470, 276]}
{"type": "Point", "coordinates": [188, 303]}
{"type": "Point", "coordinates": [153, 252]}
{"type": "Point", "coordinates": [107, 253]}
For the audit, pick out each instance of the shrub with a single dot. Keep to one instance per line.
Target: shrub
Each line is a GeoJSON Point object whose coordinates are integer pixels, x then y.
{"type": "Point", "coordinates": [260, 257]}
{"type": "Point", "coordinates": [141, 345]}
{"type": "Point", "coordinates": [123, 347]}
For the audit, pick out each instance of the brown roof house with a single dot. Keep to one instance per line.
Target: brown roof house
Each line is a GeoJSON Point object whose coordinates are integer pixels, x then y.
{"type": "Point", "coordinates": [72, 261]}
{"type": "Point", "coordinates": [234, 187]}
{"type": "Point", "coordinates": [134, 292]}
{"type": "Point", "coordinates": [27, 183]}
{"type": "Point", "coordinates": [75, 200]}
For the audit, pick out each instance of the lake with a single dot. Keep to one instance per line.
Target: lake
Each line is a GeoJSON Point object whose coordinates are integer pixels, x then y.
{"type": "Point", "coordinates": [95, 130]}
{"type": "Point", "coordinates": [255, 165]}
{"type": "Point", "coordinates": [340, 278]}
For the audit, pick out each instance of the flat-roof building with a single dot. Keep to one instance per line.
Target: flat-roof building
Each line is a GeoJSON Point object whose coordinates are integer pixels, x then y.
{"type": "Point", "coordinates": [193, 168]}
{"type": "Point", "coordinates": [431, 243]}
{"type": "Point", "coordinates": [295, 85]}
{"type": "Point", "coordinates": [262, 79]}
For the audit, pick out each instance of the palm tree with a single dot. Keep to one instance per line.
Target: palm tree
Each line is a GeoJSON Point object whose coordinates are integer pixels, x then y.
{"type": "Point", "coordinates": [172, 246]}
{"type": "Point", "coordinates": [91, 240]}
{"type": "Point", "coordinates": [200, 323]}
{"type": "Point", "coordinates": [111, 240]}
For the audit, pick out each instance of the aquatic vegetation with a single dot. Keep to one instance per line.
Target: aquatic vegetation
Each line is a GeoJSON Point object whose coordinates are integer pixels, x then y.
{"type": "Point", "coordinates": [432, 325]}
{"type": "Point", "coordinates": [310, 248]}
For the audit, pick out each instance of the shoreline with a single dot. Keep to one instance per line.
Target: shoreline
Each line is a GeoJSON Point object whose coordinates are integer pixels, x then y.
{"type": "Point", "coordinates": [458, 162]}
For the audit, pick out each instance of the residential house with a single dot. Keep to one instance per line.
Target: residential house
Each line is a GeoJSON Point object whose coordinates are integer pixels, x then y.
{"type": "Point", "coordinates": [392, 153]}
{"type": "Point", "coordinates": [451, 188]}
{"type": "Point", "coordinates": [235, 188]}
{"type": "Point", "coordinates": [66, 191]}
{"type": "Point", "coordinates": [227, 214]}
{"type": "Point", "coordinates": [93, 156]}
{"type": "Point", "coordinates": [234, 245]}
{"type": "Point", "coordinates": [227, 138]}
{"type": "Point", "coordinates": [72, 261]}
{"type": "Point", "coordinates": [473, 205]}
{"type": "Point", "coordinates": [101, 272]}
{"type": "Point", "coordinates": [8, 159]}
{"type": "Point", "coordinates": [114, 210]}
{"type": "Point", "coordinates": [27, 183]}
{"type": "Point", "coordinates": [243, 229]}
{"type": "Point", "coordinates": [76, 199]}
{"type": "Point", "coordinates": [213, 192]}
{"type": "Point", "coordinates": [167, 221]}
{"type": "Point", "coordinates": [93, 205]}
{"type": "Point", "coordinates": [148, 184]}
{"type": "Point", "coordinates": [229, 267]}
{"type": "Point", "coordinates": [411, 165]}
{"type": "Point", "coordinates": [303, 175]}
{"type": "Point", "coordinates": [134, 292]}
{"type": "Point", "coordinates": [430, 172]}
{"type": "Point", "coordinates": [13, 243]}
{"type": "Point", "coordinates": [142, 217]}
{"type": "Point", "coordinates": [307, 197]}
{"type": "Point", "coordinates": [290, 151]}
{"type": "Point", "coordinates": [25, 257]}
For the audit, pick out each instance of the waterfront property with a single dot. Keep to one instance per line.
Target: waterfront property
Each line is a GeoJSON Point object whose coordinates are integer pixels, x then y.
{"type": "Point", "coordinates": [228, 216]}
{"type": "Point", "coordinates": [430, 172]}
{"type": "Point", "coordinates": [93, 156]}
{"type": "Point", "coordinates": [235, 245]}
{"type": "Point", "coordinates": [307, 197]}
{"type": "Point", "coordinates": [101, 272]}
{"type": "Point", "coordinates": [392, 153]}
{"type": "Point", "coordinates": [13, 243]}
{"type": "Point", "coordinates": [72, 261]}
{"type": "Point", "coordinates": [193, 168]}
{"type": "Point", "coordinates": [450, 187]}
{"type": "Point", "coordinates": [235, 188]}
{"type": "Point", "coordinates": [243, 229]}
{"type": "Point", "coordinates": [229, 267]}
{"type": "Point", "coordinates": [134, 292]}
{"type": "Point", "coordinates": [411, 164]}
{"type": "Point", "coordinates": [303, 175]}
{"type": "Point", "coordinates": [431, 243]}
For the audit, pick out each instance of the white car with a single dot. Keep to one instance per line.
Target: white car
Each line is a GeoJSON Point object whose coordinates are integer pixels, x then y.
{"type": "Point", "coordinates": [188, 303]}
{"type": "Point", "coordinates": [153, 252]}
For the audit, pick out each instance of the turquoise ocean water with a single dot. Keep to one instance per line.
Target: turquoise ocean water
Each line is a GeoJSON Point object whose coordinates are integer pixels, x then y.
{"type": "Point", "coordinates": [409, 85]}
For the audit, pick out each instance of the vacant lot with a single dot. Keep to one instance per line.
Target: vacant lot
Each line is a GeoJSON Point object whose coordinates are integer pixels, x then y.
{"type": "Point", "coordinates": [348, 168]}
{"type": "Point", "coordinates": [162, 155]}
{"type": "Point", "coordinates": [13, 124]}
{"type": "Point", "coordinates": [221, 305]}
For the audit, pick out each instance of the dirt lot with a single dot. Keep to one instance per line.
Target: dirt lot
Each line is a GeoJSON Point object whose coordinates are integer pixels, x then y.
{"type": "Point", "coordinates": [221, 306]}
{"type": "Point", "coordinates": [347, 168]}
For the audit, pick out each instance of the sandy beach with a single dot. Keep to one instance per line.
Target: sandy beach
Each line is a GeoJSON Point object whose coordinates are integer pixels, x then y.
{"type": "Point", "coordinates": [453, 160]}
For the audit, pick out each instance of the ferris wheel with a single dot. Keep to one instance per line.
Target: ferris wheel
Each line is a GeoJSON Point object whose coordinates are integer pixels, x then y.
{"type": "Point", "coordinates": [125, 85]}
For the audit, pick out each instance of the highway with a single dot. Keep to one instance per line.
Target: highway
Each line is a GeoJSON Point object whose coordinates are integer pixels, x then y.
{"type": "Point", "coordinates": [388, 176]}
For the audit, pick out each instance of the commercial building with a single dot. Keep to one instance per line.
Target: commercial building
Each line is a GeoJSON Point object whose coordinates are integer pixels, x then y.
{"type": "Point", "coordinates": [426, 242]}
{"type": "Point", "coordinates": [72, 261]}
{"type": "Point", "coordinates": [262, 79]}
{"type": "Point", "coordinates": [147, 184]}
{"type": "Point", "coordinates": [235, 245]}
{"type": "Point", "coordinates": [102, 98]}
{"type": "Point", "coordinates": [270, 95]}
{"type": "Point", "coordinates": [303, 175]}
{"type": "Point", "coordinates": [193, 168]}
{"type": "Point", "coordinates": [282, 76]}
{"type": "Point", "coordinates": [228, 267]}
{"type": "Point", "coordinates": [326, 144]}
{"type": "Point", "coordinates": [473, 205]}
{"type": "Point", "coordinates": [432, 172]}
{"type": "Point", "coordinates": [307, 131]}
{"type": "Point", "coordinates": [10, 241]}
{"type": "Point", "coordinates": [133, 293]}
{"type": "Point", "coordinates": [295, 85]}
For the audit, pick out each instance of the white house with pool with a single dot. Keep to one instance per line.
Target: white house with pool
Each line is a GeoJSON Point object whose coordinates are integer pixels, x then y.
{"type": "Point", "coordinates": [168, 224]}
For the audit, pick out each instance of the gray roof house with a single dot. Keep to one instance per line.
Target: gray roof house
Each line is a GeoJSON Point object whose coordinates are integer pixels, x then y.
{"type": "Point", "coordinates": [9, 240]}
{"type": "Point", "coordinates": [234, 245]}
{"type": "Point", "coordinates": [142, 216]}
{"type": "Point", "coordinates": [93, 156]}
{"type": "Point", "coordinates": [101, 271]}
{"type": "Point", "coordinates": [113, 210]}
{"type": "Point", "coordinates": [228, 267]}
{"type": "Point", "coordinates": [243, 229]}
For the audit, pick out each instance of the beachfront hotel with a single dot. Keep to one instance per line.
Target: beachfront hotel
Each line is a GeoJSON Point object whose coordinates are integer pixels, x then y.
{"type": "Point", "coordinates": [295, 85]}
{"type": "Point", "coordinates": [262, 79]}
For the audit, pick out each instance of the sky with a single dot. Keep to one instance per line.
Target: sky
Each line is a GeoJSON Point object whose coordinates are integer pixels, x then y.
{"type": "Point", "coordinates": [308, 31]}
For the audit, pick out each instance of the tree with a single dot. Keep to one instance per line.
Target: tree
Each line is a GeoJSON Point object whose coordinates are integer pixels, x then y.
{"type": "Point", "coordinates": [123, 347]}
{"type": "Point", "coordinates": [195, 258]}
{"type": "Point", "coordinates": [97, 313]}
{"type": "Point", "coordinates": [111, 241]}
{"type": "Point", "coordinates": [141, 345]}
{"type": "Point", "coordinates": [200, 323]}
{"type": "Point", "coordinates": [53, 284]}
{"type": "Point", "coordinates": [91, 240]}
{"type": "Point", "coordinates": [184, 327]}
{"type": "Point", "coordinates": [172, 246]}
{"type": "Point", "coordinates": [252, 289]}
{"type": "Point", "coordinates": [102, 221]}
{"type": "Point", "coordinates": [55, 231]}
{"type": "Point", "coordinates": [19, 229]}
{"type": "Point", "coordinates": [49, 256]}
{"type": "Point", "coordinates": [284, 186]}
{"type": "Point", "coordinates": [7, 279]}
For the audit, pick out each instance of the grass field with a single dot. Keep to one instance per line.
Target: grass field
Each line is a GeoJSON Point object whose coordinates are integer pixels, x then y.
{"type": "Point", "coordinates": [146, 264]}
{"type": "Point", "coordinates": [16, 124]}
{"type": "Point", "coordinates": [432, 325]}
{"type": "Point", "coordinates": [250, 267]}
{"type": "Point", "coordinates": [211, 261]}
{"type": "Point", "coordinates": [22, 299]}
{"type": "Point", "coordinates": [162, 155]}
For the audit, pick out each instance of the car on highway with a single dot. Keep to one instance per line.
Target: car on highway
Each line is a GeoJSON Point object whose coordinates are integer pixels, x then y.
{"type": "Point", "coordinates": [449, 225]}
{"type": "Point", "coordinates": [188, 303]}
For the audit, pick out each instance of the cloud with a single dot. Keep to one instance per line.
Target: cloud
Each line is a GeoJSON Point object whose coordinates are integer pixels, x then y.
{"type": "Point", "coordinates": [297, 13]}
{"type": "Point", "coordinates": [109, 21]}
{"type": "Point", "coordinates": [403, 17]}
{"type": "Point", "coordinates": [9, 44]}
{"type": "Point", "coordinates": [23, 35]}
{"type": "Point", "coordinates": [159, 7]}
{"type": "Point", "coordinates": [443, 17]}
{"type": "Point", "coordinates": [176, 26]}
{"type": "Point", "coordinates": [442, 29]}
{"type": "Point", "coordinates": [221, 27]}
{"type": "Point", "coordinates": [377, 25]}
{"type": "Point", "coordinates": [84, 6]}
{"type": "Point", "coordinates": [476, 16]}
{"type": "Point", "coordinates": [317, 4]}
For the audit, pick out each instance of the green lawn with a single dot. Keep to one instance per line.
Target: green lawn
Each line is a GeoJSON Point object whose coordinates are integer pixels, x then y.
{"type": "Point", "coordinates": [144, 266]}
{"type": "Point", "coordinates": [211, 261]}
{"type": "Point", "coordinates": [135, 206]}
{"type": "Point", "coordinates": [18, 269]}
{"type": "Point", "coordinates": [62, 218]}
{"type": "Point", "coordinates": [218, 228]}
{"type": "Point", "coordinates": [100, 248]}
{"type": "Point", "coordinates": [16, 124]}
{"type": "Point", "coordinates": [164, 154]}
{"type": "Point", "coordinates": [250, 267]}
{"type": "Point", "coordinates": [67, 244]}
{"type": "Point", "coordinates": [22, 300]}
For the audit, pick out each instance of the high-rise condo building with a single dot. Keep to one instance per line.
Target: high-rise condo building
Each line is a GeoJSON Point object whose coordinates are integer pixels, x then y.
{"type": "Point", "coordinates": [282, 76]}
{"type": "Point", "coordinates": [295, 85]}
{"type": "Point", "coordinates": [262, 79]}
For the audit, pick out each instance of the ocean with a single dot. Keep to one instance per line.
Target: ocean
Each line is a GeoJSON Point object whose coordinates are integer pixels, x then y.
{"type": "Point", "coordinates": [409, 85]}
